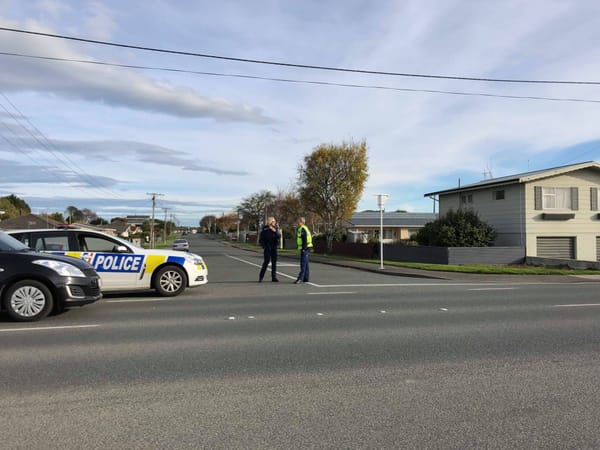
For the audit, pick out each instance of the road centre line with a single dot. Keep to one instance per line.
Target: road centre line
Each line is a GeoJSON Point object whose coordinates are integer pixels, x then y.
{"type": "Point", "coordinates": [493, 289]}
{"type": "Point", "coordinates": [576, 305]}
{"type": "Point", "coordinates": [66, 327]}
{"type": "Point", "coordinates": [329, 293]}
{"type": "Point", "coordinates": [137, 300]}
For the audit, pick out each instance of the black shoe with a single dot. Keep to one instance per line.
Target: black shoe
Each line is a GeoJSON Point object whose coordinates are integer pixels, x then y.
{"type": "Point", "coordinates": [275, 280]}
{"type": "Point", "coordinates": [306, 281]}
{"type": "Point", "coordinates": [260, 280]}
{"type": "Point", "coordinates": [298, 282]}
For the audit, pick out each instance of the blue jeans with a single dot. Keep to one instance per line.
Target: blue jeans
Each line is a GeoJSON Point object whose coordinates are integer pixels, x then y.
{"type": "Point", "coordinates": [304, 274]}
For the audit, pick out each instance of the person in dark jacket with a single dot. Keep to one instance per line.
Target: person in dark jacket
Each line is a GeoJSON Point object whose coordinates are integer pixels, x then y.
{"type": "Point", "coordinates": [269, 240]}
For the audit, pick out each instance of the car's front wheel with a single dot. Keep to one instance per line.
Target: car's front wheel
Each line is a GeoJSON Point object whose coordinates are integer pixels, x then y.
{"type": "Point", "coordinates": [170, 281]}
{"type": "Point", "coordinates": [28, 301]}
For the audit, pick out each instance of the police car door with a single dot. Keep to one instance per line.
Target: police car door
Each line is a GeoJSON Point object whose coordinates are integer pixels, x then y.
{"type": "Point", "coordinates": [116, 263]}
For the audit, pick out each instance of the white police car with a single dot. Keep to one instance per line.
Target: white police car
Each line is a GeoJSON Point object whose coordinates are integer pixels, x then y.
{"type": "Point", "coordinates": [122, 265]}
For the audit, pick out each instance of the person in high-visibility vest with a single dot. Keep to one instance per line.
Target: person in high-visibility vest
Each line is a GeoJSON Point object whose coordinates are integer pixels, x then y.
{"type": "Point", "coordinates": [305, 245]}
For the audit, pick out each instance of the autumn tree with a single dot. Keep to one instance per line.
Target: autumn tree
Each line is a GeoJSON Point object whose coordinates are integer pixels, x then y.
{"type": "Point", "coordinates": [207, 222]}
{"type": "Point", "coordinates": [227, 222]}
{"type": "Point", "coordinates": [256, 207]}
{"type": "Point", "coordinates": [332, 180]}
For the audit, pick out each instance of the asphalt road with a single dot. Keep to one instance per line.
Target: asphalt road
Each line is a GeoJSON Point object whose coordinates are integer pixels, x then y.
{"type": "Point", "coordinates": [352, 360]}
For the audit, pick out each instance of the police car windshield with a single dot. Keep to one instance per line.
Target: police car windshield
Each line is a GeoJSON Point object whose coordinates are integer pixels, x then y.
{"type": "Point", "coordinates": [10, 244]}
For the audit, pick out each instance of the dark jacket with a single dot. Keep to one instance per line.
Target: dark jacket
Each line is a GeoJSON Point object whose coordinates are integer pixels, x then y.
{"type": "Point", "coordinates": [269, 238]}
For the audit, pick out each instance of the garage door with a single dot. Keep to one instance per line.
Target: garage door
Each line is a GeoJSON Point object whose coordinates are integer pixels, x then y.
{"type": "Point", "coordinates": [556, 247]}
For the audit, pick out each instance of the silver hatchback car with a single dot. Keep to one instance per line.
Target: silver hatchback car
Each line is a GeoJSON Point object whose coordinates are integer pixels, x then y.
{"type": "Point", "coordinates": [181, 244]}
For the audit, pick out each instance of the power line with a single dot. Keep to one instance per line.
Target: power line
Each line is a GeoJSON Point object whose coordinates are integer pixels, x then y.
{"type": "Point", "coordinates": [67, 162]}
{"type": "Point", "coordinates": [313, 82]}
{"type": "Point", "coordinates": [301, 66]}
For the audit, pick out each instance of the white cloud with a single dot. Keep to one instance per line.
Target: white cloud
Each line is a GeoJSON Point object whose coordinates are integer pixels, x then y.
{"type": "Point", "coordinates": [104, 84]}
{"type": "Point", "coordinates": [148, 132]}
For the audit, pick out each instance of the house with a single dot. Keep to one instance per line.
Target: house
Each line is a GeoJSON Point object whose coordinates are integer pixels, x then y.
{"type": "Point", "coordinates": [397, 226]}
{"type": "Point", "coordinates": [33, 221]}
{"type": "Point", "coordinates": [28, 221]}
{"type": "Point", "coordinates": [553, 213]}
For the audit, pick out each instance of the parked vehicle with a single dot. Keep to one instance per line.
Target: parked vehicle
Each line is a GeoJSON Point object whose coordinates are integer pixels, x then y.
{"type": "Point", "coordinates": [122, 265]}
{"type": "Point", "coordinates": [33, 284]}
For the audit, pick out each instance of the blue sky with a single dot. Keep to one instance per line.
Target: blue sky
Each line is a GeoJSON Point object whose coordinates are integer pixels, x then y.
{"type": "Point", "coordinates": [103, 137]}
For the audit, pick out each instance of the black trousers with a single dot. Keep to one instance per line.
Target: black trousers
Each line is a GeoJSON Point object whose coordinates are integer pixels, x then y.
{"type": "Point", "coordinates": [270, 255]}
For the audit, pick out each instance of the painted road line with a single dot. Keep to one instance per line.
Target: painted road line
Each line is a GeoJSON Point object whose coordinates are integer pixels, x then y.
{"type": "Point", "coordinates": [329, 293]}
{"type": "Point", "coordinates": [493, 289]}
{"type": "Point", "coordinates": [138, 300]}
{"type": "Point", "coordinates": [576, 305]}
{"type": "Point", "coordinates": [71, 327]}
{"type": "Point", "coordinates": [260, 265]}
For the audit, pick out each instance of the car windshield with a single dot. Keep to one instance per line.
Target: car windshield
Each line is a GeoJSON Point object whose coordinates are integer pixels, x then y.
{"type": "Point", "coordinates": [180, 241]}
{"type": "Point", "coordinates": [10, 244]}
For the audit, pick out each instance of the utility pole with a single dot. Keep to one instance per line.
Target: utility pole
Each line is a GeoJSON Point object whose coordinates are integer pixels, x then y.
{"type": "Point", "coordinates": [165, 225]}
{"type": "Point", "coordinates": [154, 195]}
{"type": "Point", "coordinates": [381, 198]}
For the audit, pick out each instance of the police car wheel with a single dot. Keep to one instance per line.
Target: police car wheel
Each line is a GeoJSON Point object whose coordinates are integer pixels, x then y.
{"type": "Point", "coordinates": [170, 281]}
{"type": "Point", "coordinates": [28, 301]}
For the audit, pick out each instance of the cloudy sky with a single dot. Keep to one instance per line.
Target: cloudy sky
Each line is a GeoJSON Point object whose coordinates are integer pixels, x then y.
{"type": "Point", "coordinates": [78, 127]}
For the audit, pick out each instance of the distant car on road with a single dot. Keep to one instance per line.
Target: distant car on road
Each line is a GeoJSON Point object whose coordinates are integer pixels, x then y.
{"type": "Point", "coordinates": [33, 284]}
{"type": "Point", "coordinates": [181, 244]}
{"type": "Point", "coordinates": [122, 265]}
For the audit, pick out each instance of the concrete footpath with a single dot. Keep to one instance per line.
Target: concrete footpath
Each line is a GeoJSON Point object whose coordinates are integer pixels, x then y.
{"type": "Point", "coordinates": [437, 275]}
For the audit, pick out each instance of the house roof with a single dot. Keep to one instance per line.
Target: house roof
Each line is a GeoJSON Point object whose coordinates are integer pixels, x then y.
{"type": "Point", "coordinates": [391, 219]}
{"type": "Point", "coordinates": [520, 178]}
{"type": "Point", "coordinates": [28, 221]}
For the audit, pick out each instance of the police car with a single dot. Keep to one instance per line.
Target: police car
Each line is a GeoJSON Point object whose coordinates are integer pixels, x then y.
{"type": "Point", "coordinates": [122, 265]}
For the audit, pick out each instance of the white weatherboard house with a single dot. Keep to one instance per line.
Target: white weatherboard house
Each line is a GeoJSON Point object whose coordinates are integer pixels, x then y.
{"type": "Point", "coordinates": [553, 213]}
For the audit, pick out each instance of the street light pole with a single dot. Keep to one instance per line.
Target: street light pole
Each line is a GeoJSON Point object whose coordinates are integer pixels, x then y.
{"type": "Point", "coordinates": [381, 198]}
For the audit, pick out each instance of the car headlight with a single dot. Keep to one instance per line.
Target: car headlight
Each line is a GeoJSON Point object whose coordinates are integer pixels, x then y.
{"type": "Point", "coordinates": [62, 268]}
{"type": "Point", "coordinates": [194, 259]}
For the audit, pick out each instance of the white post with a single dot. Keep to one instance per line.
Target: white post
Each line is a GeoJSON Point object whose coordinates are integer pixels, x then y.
{"type": "Point", "coordinates": [381, 198]}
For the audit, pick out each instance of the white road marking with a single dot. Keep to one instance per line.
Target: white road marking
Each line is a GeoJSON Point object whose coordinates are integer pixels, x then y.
{"type": "Point", "coordinates": [575, 305]}
{"type": "Point", "coordinates": [329, 293]}
{"type": "Point", "coordinates": [438, 284]}
{"type": "Point", "coordinates": [137, 300]}
{"type": "Point", "coordinates": [260, 265]}
{"type": "Point", "coordinates": [493, 289]}
{"type": "Point", "coordinates": [71, 327]}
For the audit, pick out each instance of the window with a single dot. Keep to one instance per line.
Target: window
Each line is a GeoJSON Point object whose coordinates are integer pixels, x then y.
{"type": "Point", "coordinates": [97, 244]}
{"type": "Point", "coordinates": [388, 233]}
{"type": "Point", "coordinates": [499, 195]}
{"type": "Point", "coordinates": [556, 198]}
{"type": "Point", "coordinates": [466, 198]}
{"type": "Point", "coordinates": [51, 243]}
